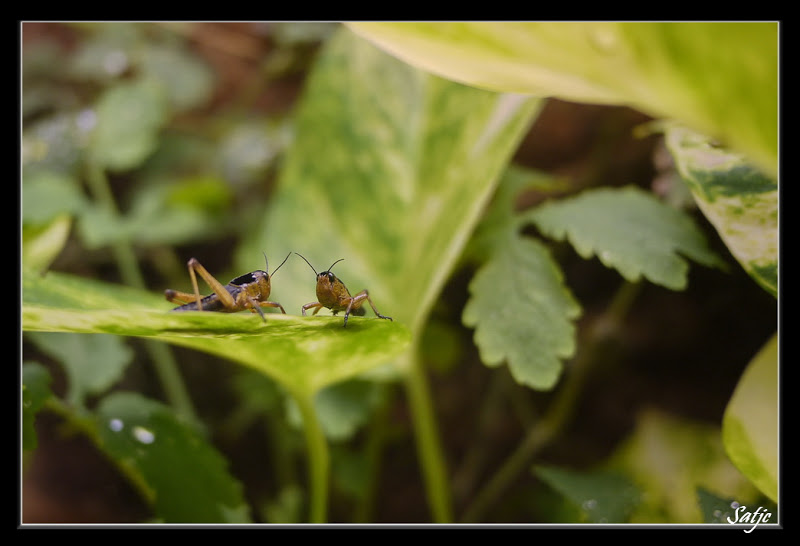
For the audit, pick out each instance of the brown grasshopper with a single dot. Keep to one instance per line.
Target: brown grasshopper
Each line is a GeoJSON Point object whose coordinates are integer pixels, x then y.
{"type": "Point", "coordinates": [248, 291]}
{"type": "Point", "coordinates": [333, 294]}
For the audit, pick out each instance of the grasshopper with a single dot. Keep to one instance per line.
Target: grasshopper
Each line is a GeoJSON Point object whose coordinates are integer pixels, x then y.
{"type": "Point", "coordinates": [248, 291]}
{"type": "Point", "coordinates": [333, 294]}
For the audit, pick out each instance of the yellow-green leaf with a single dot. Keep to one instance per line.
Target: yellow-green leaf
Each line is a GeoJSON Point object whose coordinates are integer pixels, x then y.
{"type": "Point", "coordinates": [304, 354]}
{"type": "Point", "coordinates": [750, 425]}
{"type": "Point", "coordinates": [719, 78]}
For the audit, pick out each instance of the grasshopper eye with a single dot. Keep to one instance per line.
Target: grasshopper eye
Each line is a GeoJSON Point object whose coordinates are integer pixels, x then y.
{"type": "Point", "coordinates": [331, 277]}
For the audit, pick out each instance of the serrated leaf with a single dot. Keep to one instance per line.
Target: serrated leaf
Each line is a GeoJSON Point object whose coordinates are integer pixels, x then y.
{"type": "Point", "coordinates": [739, 200]}
{"type": "Point", "coordinates": [500, 216]}
{"type": "Point", "coordinates": [390, 169]}
{"type": "Point", "coordinates": [35, 391]}
{"type": "Point", "coordinates": [172, 460]}
{"type": "Point", "coordinates": [304, 354]}
{"type": "Point", "coordinates": [630, 231]}
{"type": "Point", "coordinates": [522, 313]}
{"type": "Point", "coordinates": [750, 423]}
{"type": "Point", "coordinates": [602, 496]}
{"type": "Point", "coordinates": [719, 77]}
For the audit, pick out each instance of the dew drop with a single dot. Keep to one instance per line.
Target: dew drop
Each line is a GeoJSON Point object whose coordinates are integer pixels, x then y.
{"type": "Point", "coordinates": [116, 425]}
{"type": "Point", "coordinates": [143, 435]}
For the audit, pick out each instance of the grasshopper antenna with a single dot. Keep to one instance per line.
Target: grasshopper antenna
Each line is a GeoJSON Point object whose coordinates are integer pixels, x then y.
{"type": "Point", "coordinates": [334, 263]}
{"type": "Point", "coordinates": [277, 268]}
{"type": "Point", "coordinates": [309, 263]}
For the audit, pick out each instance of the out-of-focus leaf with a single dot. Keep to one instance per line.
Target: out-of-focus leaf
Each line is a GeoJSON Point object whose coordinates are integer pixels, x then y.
{"type": "Point", "coordinates": [343, 408]}
{"type": "Point", "coordinates": [54, 144]}
{"type": "Point", "coordinates": [35, 391]}
{"type": "Point", "coordinates": [719, 78]}
{"type": "Point", "coordinates": [669, 459]}
{"type": "Point", "coordinates": [105, 52]}
{"type": "Point", "coordinates": [304, 354]}
{"type": "Point", "coordinates": [92, 363]}
{"type": "Point", "coordinates": [248, 150]}
{"type": "Point", "coordinates": [129, 116]}
{"type": "Point", "coordinates": [159, 215]}
{"type": "Point", "coordinates": [602, 496]}
{"type": "Point", "coordinates": [629, 230]}
{"type": "Point", "coordinates": [47, 194]}
{"type": "Point", "coordinates": [522, 312]}
{"type": "Point", "coordinates": [750, 424]}
{"type": "Point", "coordinates": [187, 81]}
{"type": "Point", "coordinates": [188, 478]}
{"type": "Point", "coordinates": [41, 244]}
{"type": "Point", "coordinates": [501, 216]}
{"type": "Point", "coordinates": [715, 509]}
{"type": "Point", "coordinates": [738, 199]}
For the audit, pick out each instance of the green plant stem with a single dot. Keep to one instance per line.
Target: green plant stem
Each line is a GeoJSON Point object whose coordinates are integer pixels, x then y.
{"type": "Point", "coordinates": [318, 458]}
{"type": "Point", "coordinates": [428, 445]}
{"type": "Point", "coordinates": [376, 439]}
{"type": "Point", "coordinates": [165, 366]}
{"type": "Point", "coordinates": [561, 410]}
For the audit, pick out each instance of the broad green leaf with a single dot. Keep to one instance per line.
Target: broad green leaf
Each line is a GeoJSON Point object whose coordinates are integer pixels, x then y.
{"type": "Point", "coordinates": [129, 117]}
{"type": "Point", "coordinates": [390, 169]}
{"type": "Point", "coordinates": [719, 78]}
{"type": "Point", "coordinates": [93, 363]}
{"type": "Point", "coordinates": [188, 479]}
{"type": "Point", "coordinates": [522, 313]}
{"type": "Point", "coordinates": [602, 496]}
{"type": "Point", "coordinates": [630, 231]}
{"type": "Point", "coordinates": [739, 200]}
{"type": "Point", "coordinates": [35, 391]}
{"type": "Point", "coordinates": [669, 459]}
{"type": "Point", "coordinates": [750, 424]}
{"type": "Point", "coordinates": [304, 354]}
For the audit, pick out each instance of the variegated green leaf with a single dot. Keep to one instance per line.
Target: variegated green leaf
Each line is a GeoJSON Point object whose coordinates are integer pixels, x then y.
{"type": "Point", "coordinates": [738, 199]}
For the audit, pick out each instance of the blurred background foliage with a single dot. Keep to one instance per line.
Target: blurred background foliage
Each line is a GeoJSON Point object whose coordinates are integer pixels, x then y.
{"type": "Point", "coordinates": [206, 112]}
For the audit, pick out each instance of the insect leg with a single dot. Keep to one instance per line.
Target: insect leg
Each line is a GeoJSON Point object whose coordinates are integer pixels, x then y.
{"type": "Point", "coordinates": [176, 296]}
{"type": "Point", "coordinates": [272, 304]}
{"type": "Point", "coordinates": [364, 295]}
{"type": "Point", "coordinates": [218, 288]}
{"type": "Point", "coordinates": [255, 308]}
{"type": "Point", "coordinates": [315, 304]}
